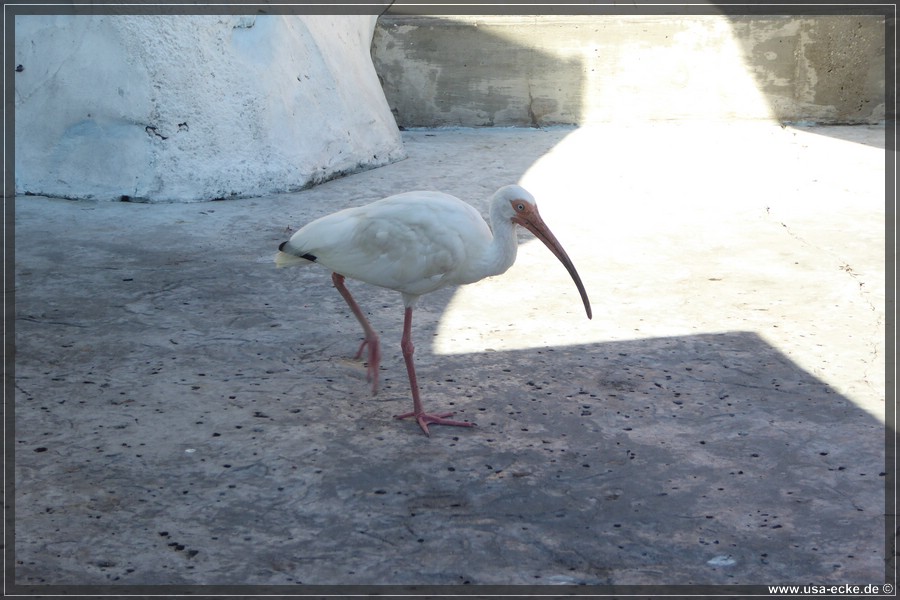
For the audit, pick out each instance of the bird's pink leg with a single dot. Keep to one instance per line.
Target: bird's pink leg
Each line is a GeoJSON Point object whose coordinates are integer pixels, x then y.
{"type": "Point", "coordinates": [371, 338]}
{"type": "Point", "coordinates": [424, 419]}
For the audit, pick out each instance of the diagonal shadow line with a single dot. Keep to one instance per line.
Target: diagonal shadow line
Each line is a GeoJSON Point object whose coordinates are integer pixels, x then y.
{"type": "Point", "coordinates": [584, 467]}
{"type": "Point", "coordinates": [645, 461]}
{"type": "Point", "coordinates": [704, 459]}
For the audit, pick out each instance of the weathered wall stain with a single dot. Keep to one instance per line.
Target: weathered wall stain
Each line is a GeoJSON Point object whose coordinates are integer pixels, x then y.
{"type": "Point", "coordinates": [544, 70]}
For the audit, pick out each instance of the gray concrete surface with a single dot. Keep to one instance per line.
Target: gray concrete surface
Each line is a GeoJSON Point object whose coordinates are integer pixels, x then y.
{"type": "Point", "coordinates": [563, 69]}
{"type": "Point", "coordinates": [186, 414]}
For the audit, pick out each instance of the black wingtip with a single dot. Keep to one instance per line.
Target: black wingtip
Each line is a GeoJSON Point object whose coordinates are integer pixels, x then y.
{"type": "Point", "coordinates": [307, 256]}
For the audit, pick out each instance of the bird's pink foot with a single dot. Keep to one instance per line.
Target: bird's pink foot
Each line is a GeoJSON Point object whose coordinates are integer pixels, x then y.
{"type": "Point", "coordinates": [373, 361]}
{"type": "Point", "coordinates": [425, 419]}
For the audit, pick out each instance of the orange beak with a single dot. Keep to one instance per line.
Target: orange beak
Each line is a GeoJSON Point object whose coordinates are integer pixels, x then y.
{"type": "Point", "coordinates": [531, 220]}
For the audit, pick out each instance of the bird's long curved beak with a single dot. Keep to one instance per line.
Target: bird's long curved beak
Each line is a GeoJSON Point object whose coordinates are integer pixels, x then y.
{"type": "Point", "coordinates": [533, 222]}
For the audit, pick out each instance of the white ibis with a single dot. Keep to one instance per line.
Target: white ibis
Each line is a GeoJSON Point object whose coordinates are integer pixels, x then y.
{"type": "Point", "coordinates": [415, 243]}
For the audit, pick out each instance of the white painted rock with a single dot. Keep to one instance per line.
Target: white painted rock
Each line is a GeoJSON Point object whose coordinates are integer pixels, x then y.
{"type": "Point", "coordinates": [189, 108]}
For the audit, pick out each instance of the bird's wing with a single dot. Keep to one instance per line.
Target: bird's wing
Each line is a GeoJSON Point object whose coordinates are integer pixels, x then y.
{"type": "Point", "coordinates": [412, 243]}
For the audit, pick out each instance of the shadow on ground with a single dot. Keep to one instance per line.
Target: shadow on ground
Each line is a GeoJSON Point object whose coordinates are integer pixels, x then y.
{"type": "Point", "coordinates": [187, 415]}
{"type": "Point", "coordinates": [225, 446]}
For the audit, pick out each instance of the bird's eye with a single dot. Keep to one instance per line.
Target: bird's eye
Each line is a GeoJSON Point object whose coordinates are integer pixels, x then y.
{"type": "Point", "coordinates": [520, 207]}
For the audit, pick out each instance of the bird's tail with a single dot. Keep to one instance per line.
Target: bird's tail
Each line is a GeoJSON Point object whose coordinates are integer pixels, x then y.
{"type": "Point", "coordinates": [286, 259]}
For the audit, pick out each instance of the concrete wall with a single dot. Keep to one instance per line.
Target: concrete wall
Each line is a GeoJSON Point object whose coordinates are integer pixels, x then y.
{"type": "Point", "coordinates": [187, 108]}
{"type": "Point", "coordinates": [517, 70]}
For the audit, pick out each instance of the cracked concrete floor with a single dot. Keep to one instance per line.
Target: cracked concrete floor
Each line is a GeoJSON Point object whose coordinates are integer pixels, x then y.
{"type": "Point", "coordinates": [186, 414]}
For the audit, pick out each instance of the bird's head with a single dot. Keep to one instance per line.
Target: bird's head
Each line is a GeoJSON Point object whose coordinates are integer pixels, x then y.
{"type": "Point", "coordinates": [517, 204]}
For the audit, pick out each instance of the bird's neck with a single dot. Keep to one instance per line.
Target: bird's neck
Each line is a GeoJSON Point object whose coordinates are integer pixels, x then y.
{"type": "Point", "coordinates": [501, 253]}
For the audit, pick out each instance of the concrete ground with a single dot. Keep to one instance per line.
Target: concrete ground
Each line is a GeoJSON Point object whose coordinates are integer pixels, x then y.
{"type": "Point", "coordinates": [188, 414]}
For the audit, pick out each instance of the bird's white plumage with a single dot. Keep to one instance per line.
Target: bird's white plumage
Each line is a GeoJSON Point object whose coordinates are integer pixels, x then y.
{"type": "Point", "coordinates": [414, 242]}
